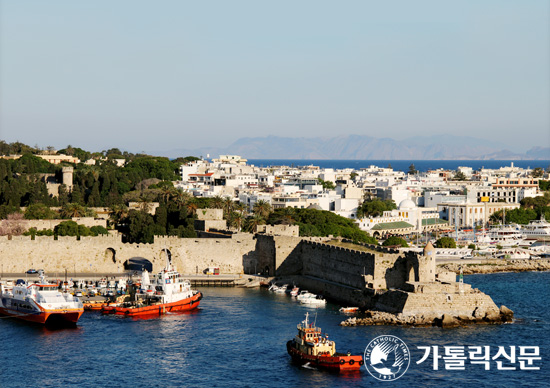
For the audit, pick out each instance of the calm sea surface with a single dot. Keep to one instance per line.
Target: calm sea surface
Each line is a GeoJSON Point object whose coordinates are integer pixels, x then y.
{"type": "Point", "coordinates": [403, 165]}
{"type": "Point", "coordinates": [237, 339]}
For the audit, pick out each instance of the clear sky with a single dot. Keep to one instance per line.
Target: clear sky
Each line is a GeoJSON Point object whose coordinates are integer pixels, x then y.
{"type": "Point", "coordinates": [159, 75]}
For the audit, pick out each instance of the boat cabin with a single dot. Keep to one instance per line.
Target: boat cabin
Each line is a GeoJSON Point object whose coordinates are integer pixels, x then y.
{"type": "Point", "coordinates": [311, 341]}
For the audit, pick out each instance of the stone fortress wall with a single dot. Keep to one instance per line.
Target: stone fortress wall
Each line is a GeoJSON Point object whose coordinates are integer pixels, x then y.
{"type": "Point", "coordinates": [107, 254]}
{"type": "Point", "coordinates": [382, 278]}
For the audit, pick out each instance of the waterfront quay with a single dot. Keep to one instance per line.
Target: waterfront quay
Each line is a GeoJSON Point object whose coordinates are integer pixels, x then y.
{"type": "Point", "coordinates": [225, 280]}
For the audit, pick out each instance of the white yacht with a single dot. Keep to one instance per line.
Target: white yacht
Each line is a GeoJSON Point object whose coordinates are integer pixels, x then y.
{"type": "Point", "coordinates": [537, 230]}
{"type": "Point", "coordinates": [506, 236]}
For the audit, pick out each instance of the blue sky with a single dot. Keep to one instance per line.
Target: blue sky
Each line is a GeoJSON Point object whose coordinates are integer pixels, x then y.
{"type": "Point", "coordinates": [151, 76]}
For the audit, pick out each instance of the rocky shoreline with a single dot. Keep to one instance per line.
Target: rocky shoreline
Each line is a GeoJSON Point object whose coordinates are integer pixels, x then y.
{"type": "Point", "coordinates": [495, 266]}
{"type": "Point", "coordinates": [372, 318]}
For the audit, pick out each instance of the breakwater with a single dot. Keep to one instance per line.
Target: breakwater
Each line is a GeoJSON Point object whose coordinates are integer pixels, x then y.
{"type": "Point", "coordinates": [497, 266]}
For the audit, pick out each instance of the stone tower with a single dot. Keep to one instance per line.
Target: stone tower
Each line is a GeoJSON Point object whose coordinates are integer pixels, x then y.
{"type": "Point", "coordinates": [68, 178]}
{"type": "Point", "coordinates": [429, 257]}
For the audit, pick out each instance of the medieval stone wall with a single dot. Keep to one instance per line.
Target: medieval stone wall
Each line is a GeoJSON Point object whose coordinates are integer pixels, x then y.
{"type": "Point", "coordinates": [108, 253]}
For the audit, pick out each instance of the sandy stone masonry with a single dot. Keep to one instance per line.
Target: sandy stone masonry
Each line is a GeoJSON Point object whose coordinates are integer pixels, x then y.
{"type": "Point", "coordinates": [404, 284]}
{"type": "Point", "coordinates": [108, 253]}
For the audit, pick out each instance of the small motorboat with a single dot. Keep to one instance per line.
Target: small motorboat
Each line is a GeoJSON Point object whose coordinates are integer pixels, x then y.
{"type": "Point", "coordinates": [313, 299]}
{"type": "Point", "coordinates": [281, 289]}
{"type": "Point", "coordinates": [349, 310]}
{"type": "Point", "coordinates": [294, 291]}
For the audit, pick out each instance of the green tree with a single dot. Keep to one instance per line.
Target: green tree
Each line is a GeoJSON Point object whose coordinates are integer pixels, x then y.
{"type": "Point", "coordinates": [375, 207]}
{"type": "Point", "coordinates": [39, 211]}
{"type": "Point", "coordinates": [327, 185]}
{"type": "Point", "coordinates": [394, 240]}
{"type": "Point", "coordinates": [263, 208]}
{"type": "Point", "coordinates": [412, 169]}
{"type": "Point", "coordinates": [73, 210]}
{"type": "Point", "coordinates": [236, 220]}
{"type": "Point", "coordinates": [97, 230]}
{"type": "Point", "coordinates": [252, 222]}
{"type": "Point", "coordinates": [445, 242]}
{"type": "Point", "coordinates": [67, 228]}
{"type": "Point", "coordinates": [140, 227]}
{"type": "Point", "coordinates": [537, 172]}
{"type": "Point", "coordinates": [216, 202]}
{"type": "Point", "coordinates": [459, 176]}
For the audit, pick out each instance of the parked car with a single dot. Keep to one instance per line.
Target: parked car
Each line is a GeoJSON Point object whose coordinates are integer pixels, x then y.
{"type": "Point", "coordinates": [32, 271]}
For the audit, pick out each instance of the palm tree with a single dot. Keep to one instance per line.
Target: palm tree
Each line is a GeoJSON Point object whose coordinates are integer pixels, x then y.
{"type": "Point", "coordinates": [191, 206]}
{"type": "Point", "coordinates": [181, 198]}
{"type": "Point", "coordinates": [240, 207]}
{"type": "Point", "coordinates": [144, 205]}
{"type": "Point", "coordinates": [216, 202]}
{"type": "Point", "coordinates": [287, 216]}
{"type": "Point", "coordinates": [253, 222]}
{"type": "Point", "coordinates": [118, 212]}
{"type": "Point", "coordinates": [166, 193]}
{"type": "Point", "coordinates": [263, 208]}
{"type": "Point", "coordinates": [71, 210]}
{"type": "Point", "coordinates": [228, 206]}
{"type": "Point", "coordinates": [236, 219]}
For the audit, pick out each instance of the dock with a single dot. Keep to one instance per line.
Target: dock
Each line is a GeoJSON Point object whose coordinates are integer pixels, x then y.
{"type": "Point", "coordinates": [225, 280]}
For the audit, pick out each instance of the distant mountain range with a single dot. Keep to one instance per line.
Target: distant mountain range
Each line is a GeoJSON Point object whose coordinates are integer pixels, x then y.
{"type": "Point", "coordinates": [356, 147]}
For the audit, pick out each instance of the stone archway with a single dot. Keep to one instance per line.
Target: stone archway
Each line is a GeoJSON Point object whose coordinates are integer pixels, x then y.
{"type": "Point", "coordinates": [110, 253]}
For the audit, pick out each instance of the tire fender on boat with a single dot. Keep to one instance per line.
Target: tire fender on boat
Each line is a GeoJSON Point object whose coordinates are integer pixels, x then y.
{"type": "Point", "coordinates": [351, 362]}
{"type": "Point", "coordinates": [342, 361]}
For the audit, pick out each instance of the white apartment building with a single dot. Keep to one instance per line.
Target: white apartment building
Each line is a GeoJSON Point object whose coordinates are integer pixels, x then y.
{"type": "Point", "coordinates": [472, 214]}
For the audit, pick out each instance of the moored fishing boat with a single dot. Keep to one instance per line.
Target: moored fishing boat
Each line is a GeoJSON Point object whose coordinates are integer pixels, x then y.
{"type": "Point", "coordinates": [167, 292]}
{"type": "Point", "coordinates": [40, 302]}
{"type": "Point", "coordinates": [311, 347]}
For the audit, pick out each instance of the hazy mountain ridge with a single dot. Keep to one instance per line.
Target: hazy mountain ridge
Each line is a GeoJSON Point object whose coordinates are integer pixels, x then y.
{"type": "Point", "coordinates": [357, 147]}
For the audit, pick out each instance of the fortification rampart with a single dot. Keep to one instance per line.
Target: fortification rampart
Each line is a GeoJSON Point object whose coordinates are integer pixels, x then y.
{"type": "Point", "coordinates": [108, 253]}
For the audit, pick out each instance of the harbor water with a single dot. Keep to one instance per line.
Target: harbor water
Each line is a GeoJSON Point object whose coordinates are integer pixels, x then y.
{"type": "Point", "coordinates": [238, 339]}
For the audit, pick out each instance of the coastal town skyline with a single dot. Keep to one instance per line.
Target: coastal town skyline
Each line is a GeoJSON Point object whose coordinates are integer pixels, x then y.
{"type": "Point", "coordinates": [191, 75]}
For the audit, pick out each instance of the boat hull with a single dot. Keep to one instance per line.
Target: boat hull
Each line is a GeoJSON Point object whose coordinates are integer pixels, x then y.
{"type": "Point", "coordinates": [155, 309]}
{"type": "Point", "coordinates": [64, 316]}
{"type": "Point", "coordinates": [337, 362]}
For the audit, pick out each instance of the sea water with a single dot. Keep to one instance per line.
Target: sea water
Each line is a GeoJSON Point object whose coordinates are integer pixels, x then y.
{"type": "Point", "coordinates": [237, 338]}
{"type": "Point", "coordinates": [402, 165]}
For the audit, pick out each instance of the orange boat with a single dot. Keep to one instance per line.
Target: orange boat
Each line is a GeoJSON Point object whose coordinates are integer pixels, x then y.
{"type": "Point", "coordinates": [311, 347]}
{"type": "Point", "coordinates": [39, 302]}
{"type": "Point", "coordinates": [97, 305]}
{"type": "Point", "coordinates": [166, 292]}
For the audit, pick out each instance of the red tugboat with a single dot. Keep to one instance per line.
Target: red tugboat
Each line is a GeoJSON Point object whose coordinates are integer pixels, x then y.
{"type": "Point", "coordinates": [310, 346]}
{"type": "Point", "coordinates": [167, 292]}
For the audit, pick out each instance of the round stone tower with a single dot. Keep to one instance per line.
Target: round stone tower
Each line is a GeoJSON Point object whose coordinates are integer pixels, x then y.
{"type": "Point", "coordinates": [429, 257]}
{"type": "Point", "coordinates": [68, 177]}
